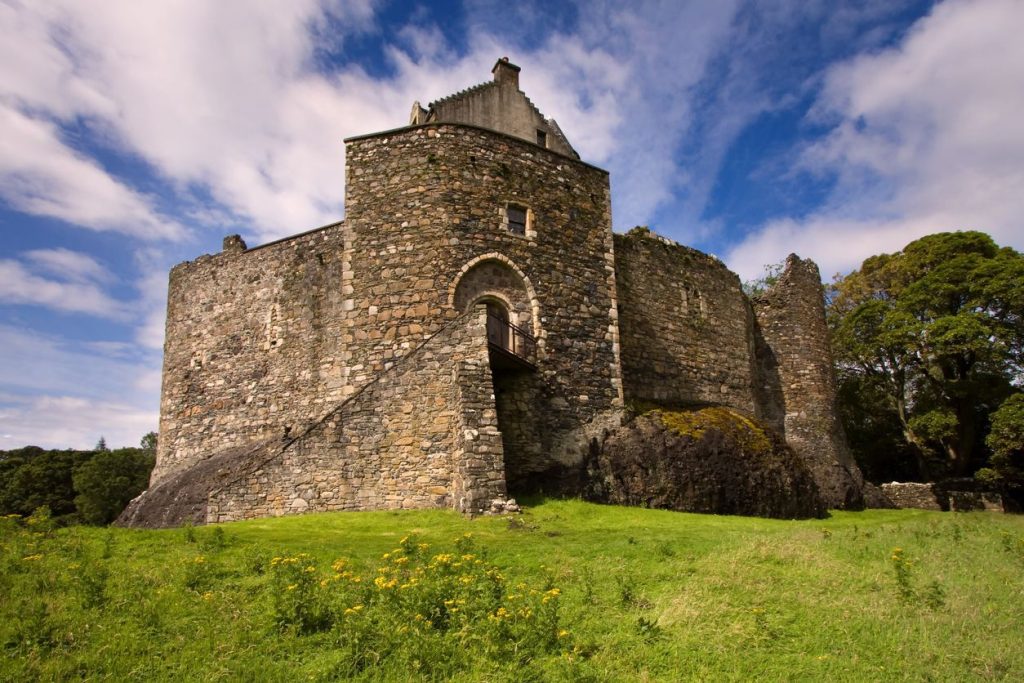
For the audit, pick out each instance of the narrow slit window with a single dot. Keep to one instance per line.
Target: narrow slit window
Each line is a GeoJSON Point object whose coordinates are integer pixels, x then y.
{"type": "Point", "coordinates": [517, 220]}
{"type": "Point", "coordinates": [542, 138]}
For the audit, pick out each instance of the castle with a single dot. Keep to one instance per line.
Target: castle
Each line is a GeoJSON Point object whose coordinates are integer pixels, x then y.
{"type": "Point", "coordinates": [467, 331]}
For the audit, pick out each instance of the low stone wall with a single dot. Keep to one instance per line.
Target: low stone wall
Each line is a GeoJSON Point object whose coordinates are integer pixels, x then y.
{"type": "Point", "coordinates": [912, 495]}
{"type": "Point", "coordinates": [949, 495]}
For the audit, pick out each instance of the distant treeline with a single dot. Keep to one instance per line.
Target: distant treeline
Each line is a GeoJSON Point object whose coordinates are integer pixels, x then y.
{"type": "Point", "coordinates": [78, 487]}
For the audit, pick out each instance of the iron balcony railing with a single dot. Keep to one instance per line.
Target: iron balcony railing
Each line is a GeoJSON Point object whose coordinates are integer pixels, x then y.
{"type": "Point", "coordinates": [504, 336]}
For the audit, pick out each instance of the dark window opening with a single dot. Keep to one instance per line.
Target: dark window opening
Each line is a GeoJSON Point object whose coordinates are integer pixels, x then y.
{"type": "Point", "coordinates": [542, 138]}
{"type": "Point", "coordinates": [517, 220]}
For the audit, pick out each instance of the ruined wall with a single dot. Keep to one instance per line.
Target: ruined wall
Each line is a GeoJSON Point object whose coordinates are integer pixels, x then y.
{"type": "Point", "coordinates": [796, 383]}
{"type": "Point", "coordinates": [426, 206]}
{"type": "Point", "coordinates": [686, 327]}
{"type": "Point", "coordinates": [252, 345]}
{"type": "Point", "coordinates": [422, 434]}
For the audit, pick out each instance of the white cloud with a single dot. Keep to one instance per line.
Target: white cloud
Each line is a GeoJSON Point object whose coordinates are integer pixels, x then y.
{"type": "Point", "coordinates": [70, 265]}
{"type": "Point", "coordinates": [928, 137]}
{"type": "Point", "coordinates": [152, 303]}
{"type": "Point", "coordinates": [41, 175]}
{"type": "Point", "coordinates": [71, 422]}
{"type": "Point", "coordinates": [19, 285]}
{"type": "Point", "coordinates": [625, 88]}
{"type": "Point", "coordinates": [73, 395]}
{"type": "Point", "coordinates": [222, 96]}
{"type": "Point", "coordinates": [227, 97]}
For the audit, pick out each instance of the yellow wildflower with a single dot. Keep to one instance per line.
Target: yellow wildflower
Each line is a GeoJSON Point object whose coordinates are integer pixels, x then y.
{"type": "Point", "coordinates": [384, 584]}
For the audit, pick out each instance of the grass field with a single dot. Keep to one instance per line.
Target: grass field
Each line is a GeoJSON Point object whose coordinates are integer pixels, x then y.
{"type": "Point", "coordinates": [567, 591]}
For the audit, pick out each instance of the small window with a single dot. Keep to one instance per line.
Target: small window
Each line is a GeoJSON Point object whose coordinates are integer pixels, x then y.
{"type": "Point", "coordinates": [542, 138]}
{"type": "Point", "coordinates": [693, 302]}
{"type": "Point", "coordinates": [516, 219]}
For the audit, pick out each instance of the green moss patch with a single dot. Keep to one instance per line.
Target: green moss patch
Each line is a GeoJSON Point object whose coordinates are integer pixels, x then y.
{"type": "Point", "coordinates": [746, 432]}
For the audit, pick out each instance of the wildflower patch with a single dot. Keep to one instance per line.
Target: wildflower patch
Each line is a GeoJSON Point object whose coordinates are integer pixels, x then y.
{"type": "Point", "coordinates": [416, 601]}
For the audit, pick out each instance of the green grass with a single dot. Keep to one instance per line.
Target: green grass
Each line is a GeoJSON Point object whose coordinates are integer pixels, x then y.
{"type": "Point", "coordinates": [644, 595]}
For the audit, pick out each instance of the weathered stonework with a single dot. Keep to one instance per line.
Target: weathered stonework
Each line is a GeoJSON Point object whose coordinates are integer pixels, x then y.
{"type": "Point", "coordinates": [687, 328]}
{"type": "Point", "coordinates": [955, 495]}
{"type": "Point", "coordinates": [796, 381]}
{"type": "Point", "coordinates": [355, 367]}
{"type": "Point", "coordinates": [912, 495]}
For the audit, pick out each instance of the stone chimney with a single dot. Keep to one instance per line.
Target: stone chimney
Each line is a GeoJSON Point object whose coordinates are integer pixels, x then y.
{"type": "Point", "coordinates": [506, 72]}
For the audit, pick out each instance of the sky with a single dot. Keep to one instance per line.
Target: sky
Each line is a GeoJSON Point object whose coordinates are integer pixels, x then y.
{"type": "Point", "coordinates": [136, 135]}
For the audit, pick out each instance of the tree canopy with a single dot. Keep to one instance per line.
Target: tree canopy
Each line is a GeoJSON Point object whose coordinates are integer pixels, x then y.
{"type": "Point", "coordinates": [91, 487]}
{"type": "Point", "coordinates": [929, 341]}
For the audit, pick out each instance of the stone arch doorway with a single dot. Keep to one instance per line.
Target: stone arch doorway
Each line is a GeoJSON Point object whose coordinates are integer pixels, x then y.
{"type": "Point", "coordinates": [512, 327]}
{"type": "Point", "coordinates": [495, 278]}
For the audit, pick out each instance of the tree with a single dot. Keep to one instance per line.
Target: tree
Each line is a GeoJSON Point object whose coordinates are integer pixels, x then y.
{"type": "Point", "coordinates": [32, 478]}
{"type": "Point", "coordinates": [108, 481]}
{"type": "Point", "coordinates": [101, 445]}
{"type": "Point", "coordinates": [149, 442]}
{"type": "Point", "coordinates": [1006, 439]}
{"type": "Point", "coordinates": [937, 332]}
{"type": "Point", "coordinates": [758, 286]}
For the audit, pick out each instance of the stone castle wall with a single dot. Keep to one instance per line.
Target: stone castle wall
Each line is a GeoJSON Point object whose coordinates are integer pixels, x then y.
{"type": "Point", "coordinates": [686, 326]}
{"type": "Point", "coordinates": [691, 336]}
{"type": "Point", "coordinates": [259, 342]}
{"type": "Point", "coordinates": [422, 434]}
{"type": "Point", "coordinates": [797, 386]}
{"type": "Point", "coordinates": [249, 346]}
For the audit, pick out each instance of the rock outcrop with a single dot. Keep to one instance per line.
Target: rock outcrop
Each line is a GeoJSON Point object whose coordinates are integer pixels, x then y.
{"type": "Point", "coordinates": [712, 460]}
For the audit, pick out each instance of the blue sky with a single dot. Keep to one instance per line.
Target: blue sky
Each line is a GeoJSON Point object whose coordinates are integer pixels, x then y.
{"type": "Point", "coordinates": [137, 134]}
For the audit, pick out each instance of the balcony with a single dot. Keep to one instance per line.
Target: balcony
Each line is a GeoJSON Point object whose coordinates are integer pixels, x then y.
{"type": "Point", "coordinates": [511, 348]}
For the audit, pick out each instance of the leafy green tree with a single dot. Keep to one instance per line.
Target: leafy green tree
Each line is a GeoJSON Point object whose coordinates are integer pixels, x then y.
{"type": "Point", "coordinates": [149, 442]}
{"type": "Point", "coordinates": [1006, 439]}
{"type": "Point", "coordinates": [758, 286]}
{"type": "Point", "coordinates": [108, 481]}
{"type": "Point", "coordinates": [936, 332]}
{"type": "Point", "coordinates": [32, 478]}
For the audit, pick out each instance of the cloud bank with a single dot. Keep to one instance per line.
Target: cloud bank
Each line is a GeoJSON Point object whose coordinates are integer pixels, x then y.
{"type": "Point", "coordinates": [926, 136]}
